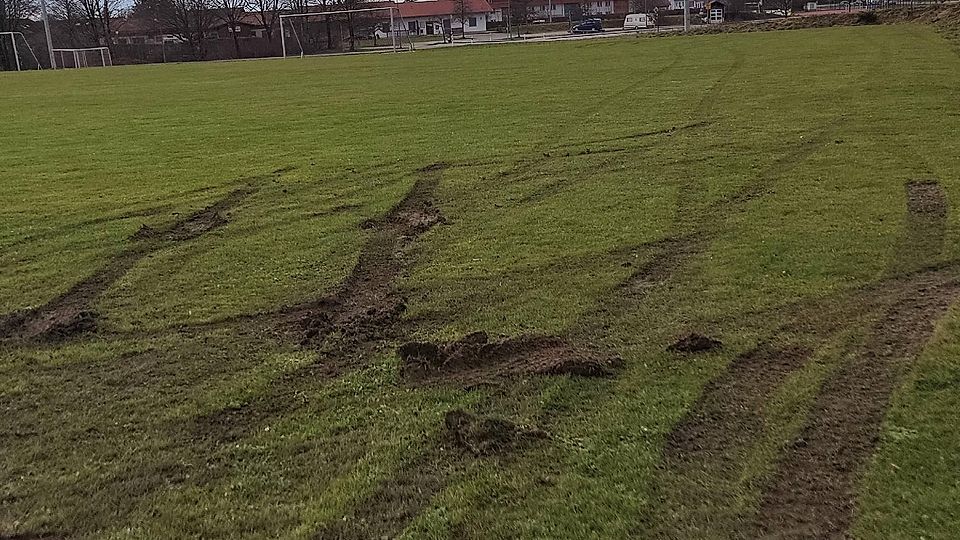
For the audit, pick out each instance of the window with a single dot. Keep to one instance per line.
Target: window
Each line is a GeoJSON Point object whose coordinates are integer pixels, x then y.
{"type": "Point", "coordinates": [471, 21]}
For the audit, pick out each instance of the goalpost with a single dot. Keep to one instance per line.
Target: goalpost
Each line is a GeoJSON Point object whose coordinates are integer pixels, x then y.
{"type": "Point", "coordinates": [395, 43]}
{"type": "Point", "coordinates": [16, 53]}
{"type": "Point", "coordinates": [81, 58]}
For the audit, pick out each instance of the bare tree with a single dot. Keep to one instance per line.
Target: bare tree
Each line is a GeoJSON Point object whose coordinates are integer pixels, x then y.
{"type": "Point", "coordinates": [519, 14]}
{"type": "Point", "coordinates": [189, 21]}
{"type": "Point", "coordinates": [13, 13]}
{"type": "Point", "coordinates": [230, 12]}
{"type": "Point", "coordinates": [67, 22]}
{"type": "Point", "coordinates": [97, 16]}
{"type": "Point", "coordinates": [267, 13]}
{"type": "Point", "coordinates": [784, 6]}
{"type": "Point", "coordinates": [351, 19]}
{"type": "Point", "coordinates": [461, 13]}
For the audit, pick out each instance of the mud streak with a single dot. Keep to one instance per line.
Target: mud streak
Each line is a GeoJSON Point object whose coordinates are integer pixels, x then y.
{"type": "Point", "coordinates": [360, 316]}
{"type": "Point", "coordinates": [925, 227]}
{"type": "Point", "coordinates": [727, 417]}
{"type": "Point", "coordinates": [72, 312]}
{"type": "Point", "coordinates": [812, 493]}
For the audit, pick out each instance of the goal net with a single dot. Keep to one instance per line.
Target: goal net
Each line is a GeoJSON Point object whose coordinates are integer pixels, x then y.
{"type": "Point", "coordinates": [82, 58]}
{"type": "Point", "coordinates": [15, 53]}
{"type": "Point", "coordinates": [377, 29]}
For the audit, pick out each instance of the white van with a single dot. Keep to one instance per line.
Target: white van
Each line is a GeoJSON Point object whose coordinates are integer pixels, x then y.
{"type": "Point", "coordinates": [636, 21]}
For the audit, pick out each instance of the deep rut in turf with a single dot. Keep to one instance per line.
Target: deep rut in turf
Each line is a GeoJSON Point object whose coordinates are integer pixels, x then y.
{"type": "Point", "coordinates": [73, 312]}
{"type": "Point", "coordinates": [812, 492]}
{"type": "Point", "coordinates": [347, 326]}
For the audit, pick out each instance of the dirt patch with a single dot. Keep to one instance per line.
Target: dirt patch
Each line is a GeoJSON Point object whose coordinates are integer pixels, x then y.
{"type": "Point", "coordinates": [695, 343]}
{"type": "Point", "coordinates": [366, 305]}
{"type": "Point", "coordinates": [344, 327]}
{"type": "Point", "coordinates": [475, 360]}
{"type": "Point", "coordinates": [813, 491]}
{"type": "Point", "coordinates": [925, 227]}
{"type": "Point", "coordinates": [728, 413]}
{"type": "Point", "coordinates": [196, 224]}
{"type": "Point", "coordinates": [664, 258]}
{"type": "Point", "coordinates": [73, 313]}
{"type": "Point", "coordinates": [484, 436]}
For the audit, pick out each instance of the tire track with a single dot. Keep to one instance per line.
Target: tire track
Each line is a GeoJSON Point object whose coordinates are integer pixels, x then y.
{"type": "Point", "coordinates": [813, 490]}
{"type": "Point", "coordinates": [73, 312]}
{"type": "Point", "coordinates": [358, 318]}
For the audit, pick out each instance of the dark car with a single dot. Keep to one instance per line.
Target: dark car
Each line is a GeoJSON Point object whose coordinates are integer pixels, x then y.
{"type": "Point", "coordinates": [588, 26]}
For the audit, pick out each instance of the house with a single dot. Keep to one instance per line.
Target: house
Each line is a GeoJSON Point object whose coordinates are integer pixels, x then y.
{"type": "Point", "coordinates": [695, 5]}
{"type": "Point", "coordinates": [549, 10]}
{"type": "Point", "coordinates": [716, 9]}
{"type": "Point", "coordinates": [435, 17]}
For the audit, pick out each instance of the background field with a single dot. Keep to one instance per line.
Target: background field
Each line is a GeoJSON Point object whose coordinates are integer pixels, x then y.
{"type": "Point", "coordinates": [784, 154]}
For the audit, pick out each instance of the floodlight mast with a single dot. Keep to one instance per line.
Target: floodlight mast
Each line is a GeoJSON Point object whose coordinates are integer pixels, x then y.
{"type": "Point", "coordinates": [686, 15]}
{"type": "Point", "coordinates": [46, 30]}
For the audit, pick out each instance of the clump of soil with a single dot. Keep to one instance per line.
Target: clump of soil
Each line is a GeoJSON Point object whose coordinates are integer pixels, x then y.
{"type": "Point", "coordinates": [475, 359]}
{"type": "Point", "coordinates": [695, 343]}
{"type": "Point", "coordinates": [84, 322]}
{"type": "Point", "coordinates": [484, 436]}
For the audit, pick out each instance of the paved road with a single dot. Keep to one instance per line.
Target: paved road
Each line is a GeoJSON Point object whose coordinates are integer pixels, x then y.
{"type": "Point", "coordinates": [492, 38]}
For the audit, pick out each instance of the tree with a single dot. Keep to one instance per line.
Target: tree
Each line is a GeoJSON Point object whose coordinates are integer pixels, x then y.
{"type": "Point", "coordinates": [188, 20]}
{"type": "Point", "coordinates": [461, 13]}
{"type": "Point", "coordinates": [67, 23]}
{"type": "Point", "coordinates": [267, 13]}
{"type": "Point", "coordinates": [586, 8]}
{"type": "Point", "coordinates": [97, 16]}
{"type": "Point", "coordinates": [230, 12]}
{"type": "Point", "coordinates": [12, 15]}
{"type": "Point", "coordinates": [519, 14]}
{"type": "Point", "coordinates": [351, 19]}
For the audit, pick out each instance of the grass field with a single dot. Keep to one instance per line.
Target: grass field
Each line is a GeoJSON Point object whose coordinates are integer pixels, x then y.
{"type": "Point", "coordinates": [207, 271]}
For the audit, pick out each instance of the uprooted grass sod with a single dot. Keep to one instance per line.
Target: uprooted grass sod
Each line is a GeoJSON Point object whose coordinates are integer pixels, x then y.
{"type": "Point", "coordinates": [207, 271]}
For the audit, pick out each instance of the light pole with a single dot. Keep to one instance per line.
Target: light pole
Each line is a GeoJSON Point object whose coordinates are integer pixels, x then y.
{"type": "Point", "coordinates": [686, 15]}
{"type": "Point", "coordinates": [46, 30]}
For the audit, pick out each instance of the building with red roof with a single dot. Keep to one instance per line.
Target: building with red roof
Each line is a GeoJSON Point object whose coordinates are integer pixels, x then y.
{"type": "Point", "coordinates": [429, 17]}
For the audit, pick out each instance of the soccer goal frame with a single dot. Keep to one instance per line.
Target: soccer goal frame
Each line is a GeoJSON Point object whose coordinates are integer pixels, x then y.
{"type": "Point", "coordinates": [16, 52]}
{"type": "Point", "coordinates": [80, 57]}
{"type": "Point", "coordinates": [283, 36]}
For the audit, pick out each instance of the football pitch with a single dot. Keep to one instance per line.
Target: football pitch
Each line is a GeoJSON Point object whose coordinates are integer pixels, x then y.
{"type": "Point", "coordinates": [689, 287]}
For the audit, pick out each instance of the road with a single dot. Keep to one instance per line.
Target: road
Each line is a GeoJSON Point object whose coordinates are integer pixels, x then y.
{"type": "Point", "coordinates": [491, 38]}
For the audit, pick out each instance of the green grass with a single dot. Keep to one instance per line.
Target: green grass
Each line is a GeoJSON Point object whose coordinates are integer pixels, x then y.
{"type": "Point", "coordinates": [92, 432]}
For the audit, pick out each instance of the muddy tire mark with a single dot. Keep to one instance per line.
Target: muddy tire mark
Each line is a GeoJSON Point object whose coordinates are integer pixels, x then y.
{"type": "Point", "coordinates": [344, 327]}
{"type": "Point", "coordinates": [925, 227]}
{"type": "Point", "coordinates": [812, 493]}
{"type": "Point", "coordinates": [728, 416]}
{"type": "Point", "coordinates": [73, 312]}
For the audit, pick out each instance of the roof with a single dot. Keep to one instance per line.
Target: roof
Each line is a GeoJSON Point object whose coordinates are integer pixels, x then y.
{"type": "Point", "coordinates": [436, 8]}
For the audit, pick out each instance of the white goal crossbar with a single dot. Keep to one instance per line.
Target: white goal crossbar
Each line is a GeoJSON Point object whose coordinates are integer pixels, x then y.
{"type": "Point", "coordinates": [16, 53]}
{"type": "Point", "coordinates": [80, 56]}
{"type": "Point", "coordinates": [283, 37]}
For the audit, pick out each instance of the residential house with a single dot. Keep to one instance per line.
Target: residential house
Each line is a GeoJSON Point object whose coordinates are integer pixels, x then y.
{"type": "Point", "coordinates": [548, 10]}
{"type": "Point", "coordinates": [436, 17]}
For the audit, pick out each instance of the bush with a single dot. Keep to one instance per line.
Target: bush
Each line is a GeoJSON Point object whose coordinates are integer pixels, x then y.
{"type": "Point", "coordinates": [867, 17]}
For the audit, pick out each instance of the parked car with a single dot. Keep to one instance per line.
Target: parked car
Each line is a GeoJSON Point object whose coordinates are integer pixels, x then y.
{"type": "Point", "coordinates": [588, 26]}
{"type": "Point", "coordinates": [636, 21]}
